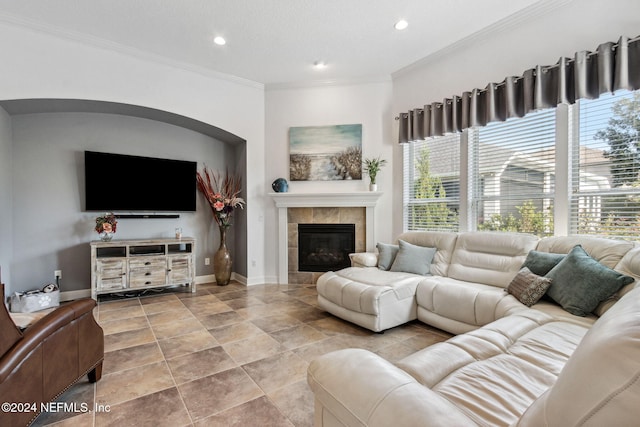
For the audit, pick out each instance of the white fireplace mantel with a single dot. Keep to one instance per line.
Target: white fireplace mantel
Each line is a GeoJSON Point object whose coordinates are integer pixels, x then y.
{"type": "Point", "coordinates": [283, 201]}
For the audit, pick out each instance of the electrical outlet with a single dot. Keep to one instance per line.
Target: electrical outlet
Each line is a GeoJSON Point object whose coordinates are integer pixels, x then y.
{"type": "Point", "coordinates": [57, 274]}
{"type": "Point", "coordinates": [207, 261]}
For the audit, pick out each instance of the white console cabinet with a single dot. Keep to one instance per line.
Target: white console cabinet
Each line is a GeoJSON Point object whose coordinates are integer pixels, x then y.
{"type": "Point", "coordinates": [122, 265]}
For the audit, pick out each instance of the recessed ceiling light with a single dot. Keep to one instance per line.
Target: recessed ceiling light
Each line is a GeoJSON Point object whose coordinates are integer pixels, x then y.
{"type": "Point", "coordinates": [319, 65]}
{"type": "Point", "coordinates": [401, 24]}
{"type": "Point", "coordinates": [220, 41]}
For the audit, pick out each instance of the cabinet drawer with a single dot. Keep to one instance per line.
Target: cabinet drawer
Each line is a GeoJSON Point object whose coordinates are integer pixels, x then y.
{"type": "Point", "coordinates": [148, 263]}
{"type": "Point", "coordinates": [146, 277]}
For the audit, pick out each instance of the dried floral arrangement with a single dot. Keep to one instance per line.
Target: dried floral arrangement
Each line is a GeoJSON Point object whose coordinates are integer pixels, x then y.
{"type": "Point", "coordinates": [221, 193]}
{"type": "Point", "coordinates": [106, 223]}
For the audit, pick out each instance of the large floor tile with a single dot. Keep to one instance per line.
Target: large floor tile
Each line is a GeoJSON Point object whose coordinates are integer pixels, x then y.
{"type": "Point", "coordinates": [126, 339]}
{"type": "Point", "coordinates": [296, 402]}
{"type": "Point", "coordinates": [297, 336]}
{"type": "Point", "coordinates": [257, 412]}
{"type": "Point", "coordinates": [200, 364]}
{"type": "Point", "coordinates": [277, 371]}
{"type": "Point", "coordinates": [160, 409]}
{"type": "Point", "coordinates": [253, 348]}
{"type": "Point", "coordinates": [235, 332]}
{"type": "Point", "coordinates": [121, 386]}
{"type": "Point", "coordinates": [132, 357]}
{"type": "Point", "coordinates": [187, 343]}
{"type": "Point", "coordinates": [213, 394]}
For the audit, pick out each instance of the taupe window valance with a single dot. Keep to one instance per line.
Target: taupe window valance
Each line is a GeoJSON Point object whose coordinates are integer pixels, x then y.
{"type": "Point", "coordinates": [610, 67]}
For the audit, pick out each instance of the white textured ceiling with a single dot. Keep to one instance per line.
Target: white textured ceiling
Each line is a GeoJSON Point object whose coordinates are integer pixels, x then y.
{"type": "Point", "coordinates": [270, 41]}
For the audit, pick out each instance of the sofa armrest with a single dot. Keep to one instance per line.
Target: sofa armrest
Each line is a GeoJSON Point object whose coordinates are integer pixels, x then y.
{"type": "Point", "coordinates": [40, 331]}
{"type": "Point", "coordinates": [357, 387]}
{"type": "Point", "coordinates": [364, 259]}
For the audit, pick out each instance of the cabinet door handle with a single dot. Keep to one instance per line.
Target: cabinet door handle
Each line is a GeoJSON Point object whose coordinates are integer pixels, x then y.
{"type": "Point", "coordinates": [147, 263]}
{"type": "Point", "coordinates": [168, 269]}
{"type": "Point", "coordinates": [148, 273]}
{"type": "Point", "coordinates": [147, 283]}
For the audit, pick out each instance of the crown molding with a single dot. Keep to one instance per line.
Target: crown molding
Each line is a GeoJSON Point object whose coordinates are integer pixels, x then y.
{"type": "Point", "coordinates": [88, 40]}
{"type": "Point", "coordinates": [535, 10]}
{"type": "Point", "coordinates": [328, 82]}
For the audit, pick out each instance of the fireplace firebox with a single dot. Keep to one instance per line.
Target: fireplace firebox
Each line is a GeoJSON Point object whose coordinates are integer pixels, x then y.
{"type": "Point", "coordinates": [325, 247]}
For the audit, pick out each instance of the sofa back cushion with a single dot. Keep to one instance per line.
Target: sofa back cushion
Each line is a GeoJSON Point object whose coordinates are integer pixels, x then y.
{"type": "Point", "coordinates": [444, 242]}
{"type": "Point", "coordinates": [621, 255]}
{"type": "Point", "coordinates": [491, 258]}
{"type": "Point", "coordinates": [607, 252]}
{"type": "Point", "coordinates": [600, 383]}
{"type": "Point", "coordinates": [629, 265]}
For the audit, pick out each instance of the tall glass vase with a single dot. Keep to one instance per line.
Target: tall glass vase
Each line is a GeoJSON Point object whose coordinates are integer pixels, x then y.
{"type": "Point", "coordinates": [222, 260]}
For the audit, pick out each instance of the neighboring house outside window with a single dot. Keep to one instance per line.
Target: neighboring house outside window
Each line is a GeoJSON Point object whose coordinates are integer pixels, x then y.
{"type": "Point", "coordinates": [606, 175]}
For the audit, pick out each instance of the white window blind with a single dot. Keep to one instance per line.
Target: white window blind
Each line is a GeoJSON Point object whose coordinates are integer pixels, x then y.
{"type": "Point", "coordinates": [431, 190]}
{"type": "Point", "coordinates": [606, 167]}
{"type": "Point", "coordinates": [513, 174]}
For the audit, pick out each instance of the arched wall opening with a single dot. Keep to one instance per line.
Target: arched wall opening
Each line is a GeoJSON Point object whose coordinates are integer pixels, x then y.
{"type": "Point", "coordinates": [50, 227]}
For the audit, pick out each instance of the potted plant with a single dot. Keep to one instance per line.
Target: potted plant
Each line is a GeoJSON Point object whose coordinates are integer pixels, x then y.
{"type": "Point", "coordinates": [371, 168]}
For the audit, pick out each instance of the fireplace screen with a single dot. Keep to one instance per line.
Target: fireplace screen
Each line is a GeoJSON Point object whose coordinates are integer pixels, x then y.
{"type": "Point", "coordinates": [325, 247]}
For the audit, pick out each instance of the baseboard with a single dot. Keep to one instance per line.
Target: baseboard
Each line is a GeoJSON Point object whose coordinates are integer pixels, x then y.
{"type": "Point", "coordinates": [73, 295]}
{"type": "Point", "coordinates": [209, 278]}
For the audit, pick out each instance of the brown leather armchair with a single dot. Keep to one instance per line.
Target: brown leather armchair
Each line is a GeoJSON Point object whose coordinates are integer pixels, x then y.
{"type": "Point", "coordinates": [39, 364]}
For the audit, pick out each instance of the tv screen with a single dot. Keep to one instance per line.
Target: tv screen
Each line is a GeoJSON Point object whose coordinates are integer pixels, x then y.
{"type": "Point", "coordinates": [133, 183]}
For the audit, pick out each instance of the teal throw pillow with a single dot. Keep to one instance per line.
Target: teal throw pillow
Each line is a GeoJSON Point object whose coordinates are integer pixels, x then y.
{"type": "Point", "coordinates": [413, 259]}
{"type": "Point", "coordinates": [579, 283]}
{"type": "Point", "coordinates": [386, 255]}
{"type": "Point", "coordinates": [541, 263]}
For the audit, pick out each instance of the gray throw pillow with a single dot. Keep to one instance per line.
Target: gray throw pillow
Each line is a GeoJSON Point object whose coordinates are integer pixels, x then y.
{"type": "Point", "coordinates": [528, 287]}
{"type": "Point", "coordinates": [579, 283]}
{"type": "Point", "coordinates": [386, 255]}
{"type": "Point", "coordinates": [541, 263]}
{"type": "Point", "coordinates": [413, 259]}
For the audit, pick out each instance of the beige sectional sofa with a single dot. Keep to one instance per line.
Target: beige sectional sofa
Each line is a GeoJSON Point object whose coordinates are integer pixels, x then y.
{"type": "Point", "coordinates": [509, 365]}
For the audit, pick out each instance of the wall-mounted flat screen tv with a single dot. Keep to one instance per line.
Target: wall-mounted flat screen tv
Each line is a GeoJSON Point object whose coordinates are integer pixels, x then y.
{"type": "Point", "coordinates": [119, 182]}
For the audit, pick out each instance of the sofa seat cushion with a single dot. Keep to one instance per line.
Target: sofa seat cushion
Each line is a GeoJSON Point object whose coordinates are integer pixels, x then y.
{"type": "Point", "coordinates": [493, 374]}
{"type": "Point", "coordinates": [471, 303]}
{"type": "Point", "coordinates": [601, 380]}
{"type": "Point", "coordinates": [360, 289]}
{"type": "Point", "coordinates": [557, 312]}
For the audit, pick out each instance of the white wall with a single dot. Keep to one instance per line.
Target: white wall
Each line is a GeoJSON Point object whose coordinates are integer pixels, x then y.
{"type": "Point", "coordinates": [510, 50]}
{"type": "Point", "coordinates": [6, 192]}
{"type": "Point", "coordinates": [367, 104]}
{"type": "Point", "coordinates": [38, 65]}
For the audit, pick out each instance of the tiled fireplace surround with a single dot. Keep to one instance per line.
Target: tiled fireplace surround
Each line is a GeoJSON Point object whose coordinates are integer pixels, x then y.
{"type": "Point", "coordinates": [320, 208]}
{"type": "Point", "coordinates": [319, 215]}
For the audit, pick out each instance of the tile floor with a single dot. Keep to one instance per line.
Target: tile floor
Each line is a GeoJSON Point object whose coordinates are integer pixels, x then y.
{"type": "Point", "coordinates": [224, 356]}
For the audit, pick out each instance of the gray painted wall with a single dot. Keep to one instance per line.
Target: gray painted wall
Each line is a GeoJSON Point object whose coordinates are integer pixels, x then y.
{"type": "Point", "coordinates": [51, 230]}
{"type": "Point", "coordinates": [6, 217]}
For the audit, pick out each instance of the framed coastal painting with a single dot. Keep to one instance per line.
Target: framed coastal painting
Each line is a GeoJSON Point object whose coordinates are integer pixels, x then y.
{"type": "Point", "coordinates": [325, 153]}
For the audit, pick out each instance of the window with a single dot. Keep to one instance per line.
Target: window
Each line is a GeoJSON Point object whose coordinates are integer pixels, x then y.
{"type": "Point", "coordinates": [606, 174]}
{"type": "Point", "coordinates": [510, 169]}
{"type": "Point", "coordinates": [512, 176]}
{"type": "Point", "coordinates": [431, 195]}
